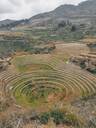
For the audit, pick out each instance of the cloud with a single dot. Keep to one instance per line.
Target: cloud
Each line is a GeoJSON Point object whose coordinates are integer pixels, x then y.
{"type": "Point", "coordinates": [18, 9]}
{"type": "Point", "coordinates": [6, 7]}
{"type": "Point", "coordinates": [15, 2]}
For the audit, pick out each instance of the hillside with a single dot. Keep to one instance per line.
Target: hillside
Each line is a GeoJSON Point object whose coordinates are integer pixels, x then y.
{"type": "Point", "coordinates": [82, 13]}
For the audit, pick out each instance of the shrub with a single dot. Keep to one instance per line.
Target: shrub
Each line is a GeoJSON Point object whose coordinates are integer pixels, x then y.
{"type": "Point", "coordinates": [58, 117]}
{"type": "Point", "coordinates": [62, 24]}
{"type": "Point", "coordinates": [73, 29]}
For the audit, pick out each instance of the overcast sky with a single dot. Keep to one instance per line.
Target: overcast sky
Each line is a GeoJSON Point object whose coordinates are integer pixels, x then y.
{"type": "Point", "coordinates": [19, 9]}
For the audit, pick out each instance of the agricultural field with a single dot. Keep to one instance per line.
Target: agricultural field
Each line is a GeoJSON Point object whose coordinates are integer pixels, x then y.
{"type": "Point", "coordinates": [12, 42]}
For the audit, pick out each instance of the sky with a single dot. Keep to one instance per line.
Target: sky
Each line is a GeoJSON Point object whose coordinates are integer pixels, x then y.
{"type": "Point", "coordinates": [22, 9]}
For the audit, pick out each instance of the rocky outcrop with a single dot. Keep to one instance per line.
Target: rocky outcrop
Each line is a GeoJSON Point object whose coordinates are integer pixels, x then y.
{"type": "Point", "coordinates": [4, 63]}
{"type": "Point", "coordinates": [86, 61]}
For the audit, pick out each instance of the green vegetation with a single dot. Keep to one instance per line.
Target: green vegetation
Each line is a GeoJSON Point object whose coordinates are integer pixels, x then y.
{"type": "Point", "coordinates": [92, 71]}
{"type": "Point", "coordinates": [12, 42]}
{"type": "Point", "coordinates": [60, 117]}
{"type": "Point", "coordinates": [67, 33]}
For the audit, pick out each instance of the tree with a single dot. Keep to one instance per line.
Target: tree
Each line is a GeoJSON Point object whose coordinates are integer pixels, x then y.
{"type": "Point", "coordinates": [62, 24]}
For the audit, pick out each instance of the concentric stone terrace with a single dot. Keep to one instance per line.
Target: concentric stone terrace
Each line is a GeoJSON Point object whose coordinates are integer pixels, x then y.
{"type": "Point", "coordinates": [53, 84]}
{"type": "Point", "coordinates": [42, 87]}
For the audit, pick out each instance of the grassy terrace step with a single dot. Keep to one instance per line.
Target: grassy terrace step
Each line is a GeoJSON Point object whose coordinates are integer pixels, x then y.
{"type": "Point", "coordinates": [80, 76]}
{"type": "Point", "coordinates": [87, 82]}
{"type": "Point", "coordinates": [55, 61]}
{"type": "Point", "coordinates": [72, 86]}
{"type": "Point", "coordinates": [38, 86]}
{"type": "Point", "coordinates": [76, 77]}
{"type": "Point", "coordinates": [55, 77]}
{"type": "Point", "coordinates": [45, 80]}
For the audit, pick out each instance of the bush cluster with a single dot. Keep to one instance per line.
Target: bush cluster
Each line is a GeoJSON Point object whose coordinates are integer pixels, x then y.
{"type": "Point", "coordinates": [59, 117]}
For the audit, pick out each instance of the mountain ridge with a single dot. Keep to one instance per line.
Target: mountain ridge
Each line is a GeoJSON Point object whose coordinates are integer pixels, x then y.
{"type": "Point", "coordinates": [84, 11]}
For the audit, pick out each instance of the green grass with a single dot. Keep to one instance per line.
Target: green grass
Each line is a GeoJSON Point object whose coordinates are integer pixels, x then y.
{"type": "Point", "coordinates": [32, 98]}
{"type": "Point", "coordinates": [30, 63]}
{"type": "Point", "coordinates": [26, 68]}
{"type": "Point", "coordinates": [55, 34]}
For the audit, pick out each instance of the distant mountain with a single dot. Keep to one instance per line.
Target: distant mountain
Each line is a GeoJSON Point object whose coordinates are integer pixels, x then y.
{"type": "Point", "coordinates": [82, 13]}
{"type": "Point", "coordinates": [6, 22]}
{"type": "Point", "coordinates": [85, 12]}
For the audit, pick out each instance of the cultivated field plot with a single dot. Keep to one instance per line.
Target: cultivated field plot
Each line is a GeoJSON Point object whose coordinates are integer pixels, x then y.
{"type": "Point", "coordinates": [47, 80]}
